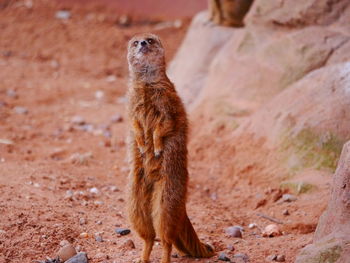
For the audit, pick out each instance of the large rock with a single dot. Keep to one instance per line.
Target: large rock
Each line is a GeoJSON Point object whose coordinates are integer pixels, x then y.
{"type": "Point", "coordinates": [226, 66]}
{"type": "Point", "coordinates": [309, 120]}
{"type": "Point", "coordinates": [257, 63]}
{"type": "Point", "coordinates": [189, 69]}
{"type": "Point", "coordinates": [332, 238]}
{"type": "Point", "coordinates": [296, 13]}
{"type": "Point", "coordinates": [318, 102]}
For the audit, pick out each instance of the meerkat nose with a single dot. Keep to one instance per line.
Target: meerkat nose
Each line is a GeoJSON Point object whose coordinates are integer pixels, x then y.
{"type": "Point", "coordinates": [143, 43]}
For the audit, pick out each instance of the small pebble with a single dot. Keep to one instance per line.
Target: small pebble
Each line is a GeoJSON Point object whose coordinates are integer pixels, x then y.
{"type": "Point", "coordinates": [99, 94]}
{"type": "Point", "coordinates": [111, 78]}
{"type": "Point", "coordinates": [63, 14]}
{"type": "Point", "coordinates": [66, 252]}
{"type": "Point", "coordinates": [82, 221]}
{"type": "Point", "coordinates": [98, 238]}
{"type": "Point", "coordinates": [242, 256]}
{"type": "Point", "coordinates": [271, 258]}
{"type": "Point", "coordinates": [81, 158]}
{"type": "Point", "coordinates": [271, 230]}
{"type": "Point", "coordinates": [223, 257]}
{"type": "Point", "coordinates": [288, 198]}
{"type": "Point", "coordinates": [79, 258]}
{"type": "Point", "coordinates": [69, 194]}
{"type": "Point", "coordinates": [78, 120]}
{"type": "Point", "coordinates": [11, 93]}
{"type": "Point", "coordinates": [129, 244]}
{"type": "Point", "coordinates": [54, 64]}
{"type": "Point", "coordinates": [234, 231]}
{"type": "Point", "coordinates": [178, 23]}
{"type": "Point", "coordinates": [116, 118]}
{"type": "Point", "coordinates": [124, 20]}
{"type": "Point", "coordinates": [6, 141]}
{"type": "Point", "coordinates": [84, 235]}
{"type": "Point", "coordinates": [214, 196]}
{"type": "Point", "coordinates": [78, 248]}
{"type": "Point", "coordinates": [231, 248]}
{"type": "Point", "coordinates": [99, 222]}
{"type": "Point", "coordinates": [20, 110]}
{"type": "Point", "coordinates": [122, 99]}
{"type": "Point", "coordinates": [113, 188]}
{"type": "Point", "coordinates": [122, 231]}
{"type": "Point", "coordinates": [101, 256]}
{"type": "Point", "coordinates": [86, 127]}
{"type": "Point", "coordinates": [64, 243]}
{"type": "Point", "coordinates": [252, 225]}
{"type": "Point", "coordinates": [286, 212]}
{"type": "Point", "coordinates": [94, 190]}
{"type": "Point", "coordinates": [97, 202]}
{"type": "Point", "coordinates": [281, 258]}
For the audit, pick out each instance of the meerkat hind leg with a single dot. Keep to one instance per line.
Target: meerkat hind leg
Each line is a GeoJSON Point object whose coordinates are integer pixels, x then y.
{"type": "Point", "coordinates": [166, 252]}
{"type": "Point", "coordinates": [146, 251]}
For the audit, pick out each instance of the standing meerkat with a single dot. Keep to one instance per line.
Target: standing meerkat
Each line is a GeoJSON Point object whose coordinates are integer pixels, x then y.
{"type": "Point", "coordinates": [158, 151]}
{"type": "Point", "coordinates": [228, 12]}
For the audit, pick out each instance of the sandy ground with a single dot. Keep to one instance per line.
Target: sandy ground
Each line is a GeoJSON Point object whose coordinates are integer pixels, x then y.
{"type": "Point", "coordinates": [63, 129]}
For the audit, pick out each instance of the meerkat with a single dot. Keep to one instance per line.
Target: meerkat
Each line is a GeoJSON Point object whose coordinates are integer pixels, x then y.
{"type": "Point", "coordinates": [158, 155]}
{"type": "Point", "coordinates": [228, 12]}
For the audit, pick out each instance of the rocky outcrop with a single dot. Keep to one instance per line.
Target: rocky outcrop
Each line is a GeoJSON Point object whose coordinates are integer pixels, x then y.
{"type": "Point", "coordinates": [309, 121]}
{"type": "Point", "coordinates": [220, 65]}
{"type": "Point", "coordinates": [332, 238]}
{"type": "Point", "coordinates": [319, 102]}
{"type": "Point", "coordinates": [297, 13]}
{"type": "Point", "coordinates": [189, 69]}
{"type": "Point", "coordinates": [256, 64]}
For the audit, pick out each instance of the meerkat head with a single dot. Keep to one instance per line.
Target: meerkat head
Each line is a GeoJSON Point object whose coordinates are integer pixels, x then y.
{"type": "Point", "coordinates": [146, 58]}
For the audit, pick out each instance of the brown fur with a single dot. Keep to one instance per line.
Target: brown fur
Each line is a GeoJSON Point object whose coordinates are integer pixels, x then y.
{"type": "Point", "coordinates": [158, 177]}
{"type": "Point", "coordinates": [229, 12]}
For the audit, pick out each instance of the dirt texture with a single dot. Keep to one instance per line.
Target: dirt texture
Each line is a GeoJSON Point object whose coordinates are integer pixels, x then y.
{"type": "Point", "coordinates": [63, 160]}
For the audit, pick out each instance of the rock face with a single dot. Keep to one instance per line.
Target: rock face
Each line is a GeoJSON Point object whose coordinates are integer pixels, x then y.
{"type": "Point", "coordinates": [190, 67]}
{"type": "Point", "coordinates": [256, 64]}
{"type": "Point", "coordinates": [282, 78]}
{"type": "Point", "coordinates": [297, 13]}
{"type": "Point", "coordinates": [336, 217]}
{"type": "Point", "coordinates": [319, 103]}
{"type": "Point", "coordinates": [309, 121]}
{"type": "Point", "coordinates": [247, 66]}
{"type": "Point", "coordinates": [332, 238]}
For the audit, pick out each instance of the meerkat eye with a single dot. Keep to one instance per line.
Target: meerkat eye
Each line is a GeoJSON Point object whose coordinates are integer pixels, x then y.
{"type": "Point", "coordinates": [150, 41]}
{"type": "Point", "coordinates": [135, 43]}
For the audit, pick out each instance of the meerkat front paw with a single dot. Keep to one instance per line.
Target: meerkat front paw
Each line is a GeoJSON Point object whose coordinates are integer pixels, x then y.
{"type": "Point", "coordinates": [157, 153]}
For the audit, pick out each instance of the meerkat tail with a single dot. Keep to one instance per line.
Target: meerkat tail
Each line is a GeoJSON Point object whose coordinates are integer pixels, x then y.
{"type": "Point", "coordinates": [189, 244]}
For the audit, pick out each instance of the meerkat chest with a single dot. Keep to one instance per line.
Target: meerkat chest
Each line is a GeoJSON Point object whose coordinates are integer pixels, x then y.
{"type": "Point", "coordinates": [148, 111]}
